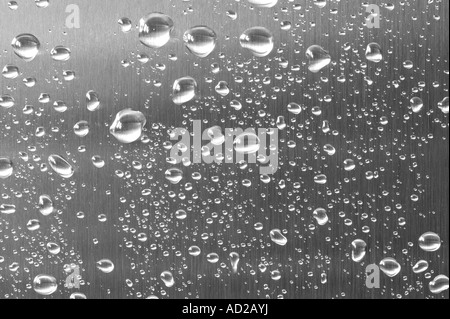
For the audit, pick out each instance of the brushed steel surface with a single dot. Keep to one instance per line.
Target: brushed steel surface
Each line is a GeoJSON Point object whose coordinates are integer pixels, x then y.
{"type": "Point", "coordinates": [408, 32]}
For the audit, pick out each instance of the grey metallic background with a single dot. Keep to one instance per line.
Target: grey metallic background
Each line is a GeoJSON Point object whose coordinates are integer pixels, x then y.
{"type": "Point", "coordinates": [98, 47]}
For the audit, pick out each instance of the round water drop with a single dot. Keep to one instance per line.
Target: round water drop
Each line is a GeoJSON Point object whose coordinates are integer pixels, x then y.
{"type": "Point", "coordinates": [222, 88]}
{"type": "Point", "coordinates": [318, 58]}
{"type": "Point", "coordinates": [53, 248]}
{"type": "Point", "coordinates": [390, 267]}
{"type": "Point", "coordinates": [6, 167]}
{"type": "Point", "coordinates": [430, 242]}
{"type": "Point", "coordinates": [168, 279]}
{"type": "Point", "coordinates": [420, 267]}
{"type": "Point", "coordinates": [181, 214]}
{"type": "Point", "coordinates": [320, 215]}
{"type": "Point", "coordinates": [278, 238]}
{"type": "Point", "coordinates": [125, 25]}
{"type": "Point", "coordinates": [45, 205]}
{"type": "Point", "coordinates": [247, 143]}
{"type": "Point", "coordinates": [10, 72]}
{"type": "Point", "coordinates": [81, 129]}
{"type": "Point", "coordinates": [200, 41]}
{"type": "Point", "coordinates": [263, 3]}
{"type": "Point", "coordinates": [174, 175]}
{"type": "Point", "coordinates": [26, 46]}
{"type": "Point", "coordinates": [212, 258]}
{"type": "Point", "coordinates": [33, 225]}
{"type": "Point", "coordinates": [128, 126]}
{"type": "Point", "coordinates": [416, 104]}
{"type": "Point", "coordinates": [60, 53]}
{"type": "Point", "coordinates": [195, 251]}
{"type": "Point", "coordinates": [106, 266]}
{"type": "Point", "coordinates": [358, 250]}
{"type": "Point", "coordinates": [258, 40]}
{"type": "Point", "coordinates": [184, 90]}
{"type": "Point", "coordinates": [374, 52]}
{"type": "Point", "coordinates": [155, 30]}
{"type": "Point", "coordinates": [61, 166]}
{"type": "Point", "coordinates": [13, 5]}
{"type": "Point", "coordinates": [439, 284]}
{"type": "Point", "coordinates": [7, 101]}
{"type": "Point", "coordinates": [349, 165]}
{"type": "Point", "coordinates": [45, 285]}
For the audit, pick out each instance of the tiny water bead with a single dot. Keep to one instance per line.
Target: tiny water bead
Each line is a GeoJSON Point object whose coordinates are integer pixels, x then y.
{"type": "Point", "coordinates": [26, 46]}
{"type": "Point", "coordinates": [45, 285]}
{"type": "Point", "coordinates": [200, 41]}
{"type": "Point", "coordinates": [128, 126]}
{"type": "Point", "coordinates": [155, 30]}
{"type": "Point", "coordinates": [318, 58]}
{"type": "Point", "coordinates": [258, 40]}
{"type": "Point", "coordinates": [430, 242]}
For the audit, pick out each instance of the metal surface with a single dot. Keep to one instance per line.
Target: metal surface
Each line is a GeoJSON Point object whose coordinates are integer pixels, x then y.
{"type": "Point", "coordinates": [410, 154]}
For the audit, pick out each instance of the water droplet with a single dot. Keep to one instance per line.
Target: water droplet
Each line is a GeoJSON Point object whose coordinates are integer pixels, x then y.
{"type": "Point", "coordinates": [174, 175]}
{"type": "Point", "coordinates": [258, 40]}
{"type": "Point", "coordinates": [45, 285]}
{"type": "Point", "coordinates": [420, 267]}
{"type": "Point", "coordinates": [92, 101]}
{"type": "Point", "coordinates": [125, 25]}
{"type": "Point", "coordinates": [106, 266]}
{"type": "Point", "coordinates": [128, 126]}
{"type": "Point", "coordinates": [168, 279]}
{"type": "Point", "coordinates": [7, 101]}
{"type": "Point", "coordinates": [60, 53]}
{"type": "Point", "coordinates": [390, 267]}
{"type": "Point", "coordinates": [45, 205]}
{"type": "Point", "coordinates": [234, 259]}
{"type": "Point", "coordinates": [10, 72]}
{"type": "Point", "coordinates": [416, 104]}
{"type": "Point", "coordinates": [430, 242]}
{"type": "Point", "coordinates": [263, 3]}
{"type": "Point", "coordinates": [26, 46]}
{"type": "Point", "coordinates": [321, 216]}
{"type": "Point", "coordinates": [155, 30]}
{"type": "Point", "coordinates": [200, 41]}
{"type": "Point", "coordinates": [318, 58]}
{"type": "Point", "coordinates": [60, 165]}
{"type": "Point", "coordinates": [81, 129]}
{"type": "Point", "coordinates": [6, 167]}
{"type": "Point", "coordinates": [358, 250]}
{"type": "Point", "coordinates": [278, 238]}
{"type": "Point", "coordinates": [374, 52]}
{"type": "Point", "coordinates": [184, 90]}
{"type": "Point", "coordinates": [439, 284]}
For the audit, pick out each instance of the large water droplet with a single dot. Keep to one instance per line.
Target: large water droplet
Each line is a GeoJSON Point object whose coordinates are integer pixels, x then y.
{"type": "Point", "coordinates": [106, 266]}
{"type": "Point", "coordinates": [168, 279]}
{"type": "Point", "coordinates": [45, 285]}
{"type": "Point", "coordinates": [45, 205]}
{"type": "Point", "coordinates": [128, 126]}
{"type": "Point", "coordinates": [6, 167]}
{"type": "Point", "coordinates": [263, 3]}
{"type": "Point", "coordinates": [439, 284]}
{"type": "Point", "coordinates": [430, 242]}
{"type": "Point", "coordinates": [200, 41]}
{"type": "Point", "coordinates": [358, 250]}
{"type": "Point", "coordinates": [61, 166]}
{"type": "Point", "coordinates": [321, 216]}
{"type": "Point", "coordinates": [60, 53]}
{"type": "Point", "coordinates": [278, 238]}
{"type": "Point", "coordinates": [26, 46]}
{"type": "Point", "coordinates": [390, 267]}
{"type": "Point", "coordinates": [420, 267]}
{"type": "Point", "coordinates": [258, 40]}
{"type": "Point", "coordinates": [318, 58]}
{"type": "Point", "coordinates": [184, 90]}
{"type": "Point", "coordinates": [174, 175]}
{"type": "Point", "coordinates": [374, 52]}
{"type": "Point", "coordinates": [155, 30]}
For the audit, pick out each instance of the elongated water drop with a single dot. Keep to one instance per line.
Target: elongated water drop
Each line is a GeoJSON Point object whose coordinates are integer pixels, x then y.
{"type": "Point", "coordinates": [390, 267]}
{"type": "Point", "coordinates": [318, 58]}
{"type": "Point", "coordinates": [258, 40]}
{"type": "Point", "coordinates": [184, 90]}
{"type": "Point", "coordinates": [61, 166]}
{"type": "Point", "coordinates": [278, 238]}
